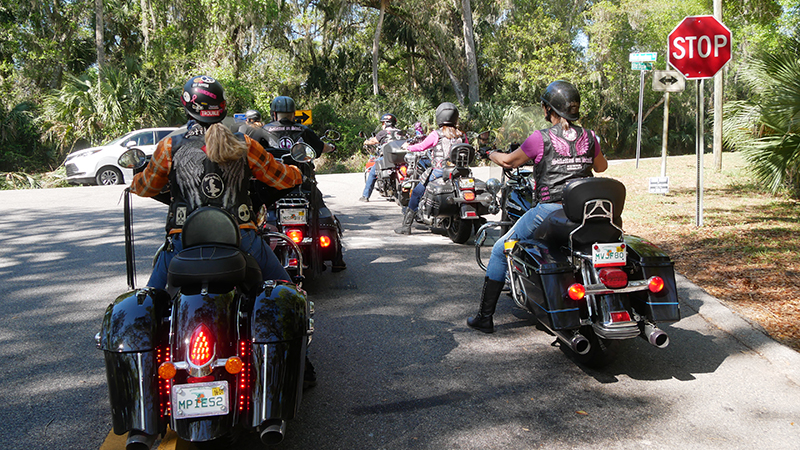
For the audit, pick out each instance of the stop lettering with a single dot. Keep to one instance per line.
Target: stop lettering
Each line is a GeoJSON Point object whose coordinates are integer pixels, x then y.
{"type": "Point", "coordinates": [699, 47]}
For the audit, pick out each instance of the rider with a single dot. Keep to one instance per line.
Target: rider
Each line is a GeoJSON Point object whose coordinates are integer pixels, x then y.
{"type": "Point", "coordinates": [440, 143]}
{"type": "Point", "coordinates": [389, 132]}
{"type": "Point", "coordinates": [252, 127]}
{"type": "Point", "coordinates": [283, 132]}
{"type": "Point", "coordinates": [560, 154]}
{"type": "Point", "coordinates": [209, 165]}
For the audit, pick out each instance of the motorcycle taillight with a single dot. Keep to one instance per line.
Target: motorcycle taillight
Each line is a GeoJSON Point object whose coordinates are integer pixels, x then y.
{"type": "Point", "coordinates": [469, 195]}
{"type": "Point", "coordinates": [201, 346]}
{"type": "Point", "coordinates": [324, 241]}
{"type": "Point", "coordinates": [295, 235]}
{"type": "Point", "coordinates": [620, 316]}
{"type": "Point", "coordinates": [404, 171]}
{"type": "Point", "coordinates": [613, 278]}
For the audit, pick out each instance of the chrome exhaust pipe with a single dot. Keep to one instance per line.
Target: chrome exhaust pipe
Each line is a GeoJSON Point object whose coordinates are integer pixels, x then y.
{"type": "Point", "coordinates": [654, 335]}
{"type": "Point", "coordinates": [139, 440]}
{"type": "Point", "coordinates": [577, 342]}
{"type": "Point", "coordinates": [272, 431]}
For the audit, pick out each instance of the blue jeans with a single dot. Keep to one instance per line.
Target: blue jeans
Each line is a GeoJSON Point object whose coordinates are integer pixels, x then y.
{"type": "Point", "coordinates": [419, 190]}
{"type": "Point", "coordinates": [271, 268]}
{"type": "Point", "coordinates": [371, 176]}
{"type": "Point", "coordinates": [524, 228]}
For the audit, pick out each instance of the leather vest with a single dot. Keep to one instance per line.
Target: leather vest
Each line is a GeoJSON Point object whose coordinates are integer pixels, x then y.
{"type": "Point", "coordinates": [566, 155]}
{"type": "Point", "coordinates": [284, 134]}
{"type": "Point", "coordinates": [441, 151]}
{"type": "Point", "coordinates": [393, 134]}
{"type": "Point", "coordinates": [196, 181]}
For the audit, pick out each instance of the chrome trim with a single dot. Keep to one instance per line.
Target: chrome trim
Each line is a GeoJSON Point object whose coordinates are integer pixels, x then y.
{"type": "Point", "coordinates": [142, 406]}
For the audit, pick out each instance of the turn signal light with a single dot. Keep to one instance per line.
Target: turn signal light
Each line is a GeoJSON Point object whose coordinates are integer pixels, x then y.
{"type": "Point", "coordinates": [403, 171]}
{"type": "Point", "coordinates": [469, 195]}
{"type": "Point", "coordinates": [656, 284]}
{"type": "Point", "coordinates": [576, 291]}
{"type": "Point", "coordinates": [167, 370]}
{"type": "Point", "coordinates": [234, 365]}
{"type": "Point", "coordinates": [295, 235]}
{"type": "Point", "coordinates": [324, 241]}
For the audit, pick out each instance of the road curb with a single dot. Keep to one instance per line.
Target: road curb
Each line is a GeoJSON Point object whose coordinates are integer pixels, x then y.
{"type": "Point", "coordinates": [751, 335]}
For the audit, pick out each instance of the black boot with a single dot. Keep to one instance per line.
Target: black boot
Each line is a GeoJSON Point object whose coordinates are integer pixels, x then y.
{"type": "Point", "coordinates": [408, 219]}
{"type": "Point", "coordinates": [489, 296]}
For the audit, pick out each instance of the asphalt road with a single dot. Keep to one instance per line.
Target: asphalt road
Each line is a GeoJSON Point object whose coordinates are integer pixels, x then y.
{"type": "Point", "coordinates": [397, 366]}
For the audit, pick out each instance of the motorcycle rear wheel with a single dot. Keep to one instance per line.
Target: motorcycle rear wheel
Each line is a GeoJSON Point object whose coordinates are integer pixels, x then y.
{"type": "Point", "coordinates": [458, 230]}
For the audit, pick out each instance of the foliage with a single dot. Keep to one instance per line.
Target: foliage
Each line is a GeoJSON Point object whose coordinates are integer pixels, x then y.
{"type": "Point", "coordinates": [767, 128]}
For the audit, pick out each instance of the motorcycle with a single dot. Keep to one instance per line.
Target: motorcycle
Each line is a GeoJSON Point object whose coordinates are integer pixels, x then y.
{"type": "Point", "coordinates": [391, 170]}
{"type": "Point", "coordinates": [220, 353]}
{"type": "Point", "coordinates": [300, 214]}
{"type": "Point", "coordinates": [585, 280]}
{"type": "Point", "coordinates": [457, 201]}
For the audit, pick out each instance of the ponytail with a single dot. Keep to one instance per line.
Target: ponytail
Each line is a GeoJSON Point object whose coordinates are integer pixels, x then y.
{"type": "Point", "coordinates": [222, 146]}
{"type": "Point", "coordinates": [564, 124]}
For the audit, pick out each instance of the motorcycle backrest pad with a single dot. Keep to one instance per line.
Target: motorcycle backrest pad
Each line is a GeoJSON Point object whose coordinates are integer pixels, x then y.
{"type": "Point", "coordinates": [462, 155]}
{"type": "Point", "coordinates": [209, 225]}
{"type": "Point", "coordinates": [579, 191]}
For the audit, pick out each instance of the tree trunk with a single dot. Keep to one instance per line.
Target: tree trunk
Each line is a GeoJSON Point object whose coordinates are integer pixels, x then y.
{"type": "Point", "coordinates": [375, 46]}
{"type": "Point", "coordinates": [98, 37]}
{"type": "Point", "coordinates": [469, 49]}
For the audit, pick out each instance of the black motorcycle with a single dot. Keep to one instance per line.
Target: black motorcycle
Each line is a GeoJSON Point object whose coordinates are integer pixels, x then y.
{"type": "Point", "coordinates": [391, 169]}
{"type": "Point", "coordinates": [457, 201]}
{"type": "Point", "coordinates": [589, 283]}
{"type": "Point", "coordinates": [221, 353]}
{"type": "Point", "coordinates": [299, 213]}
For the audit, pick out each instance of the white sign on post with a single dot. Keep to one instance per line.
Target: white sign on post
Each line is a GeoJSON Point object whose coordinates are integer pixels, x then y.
{"type": "Point", "coordinates": [659, 185]}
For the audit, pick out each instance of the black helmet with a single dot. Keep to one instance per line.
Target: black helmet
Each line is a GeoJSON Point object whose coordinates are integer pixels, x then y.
{"type": "Point", "coordinates": [204, 99]}
{"type": "Point", "coordinates": [389, 118]}
{"type": "Point", "coordinates": [564, 99]}
{"type": "Point", "coordinates": [283, 104]}
{"type": "Point", "coordinates": [446, 114]}
{"type": "Point", "coordinates": [252, 114]}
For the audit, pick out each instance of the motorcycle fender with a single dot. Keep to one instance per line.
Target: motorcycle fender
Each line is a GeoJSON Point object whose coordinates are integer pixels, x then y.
{"type": "Point", "coordinates": [468, 211]}
{"type": "Point", "coordinates": [131, 323]}
{"type": "Point", "coordinates": [280, 329]}
{"type": "Point", "coordinates": [648, 260]}
{"type": "Point", "coordinates": [546, 274]}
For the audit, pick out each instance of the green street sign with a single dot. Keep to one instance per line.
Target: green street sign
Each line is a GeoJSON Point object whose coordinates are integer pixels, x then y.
{"type": "Point", "coordinates": [639, 65]}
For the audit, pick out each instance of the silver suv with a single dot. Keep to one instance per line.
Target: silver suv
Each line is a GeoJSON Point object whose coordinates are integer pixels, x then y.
{"type": "Point", "coordinates": [98, 165]}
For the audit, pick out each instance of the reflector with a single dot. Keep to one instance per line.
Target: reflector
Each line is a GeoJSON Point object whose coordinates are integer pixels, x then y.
{"type": "Point", "coordinates": [620, 316]}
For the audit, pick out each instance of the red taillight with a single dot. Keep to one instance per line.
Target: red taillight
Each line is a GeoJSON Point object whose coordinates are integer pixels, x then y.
{"type": "Point", "coordinates": [324, 241]}
{"type": "Point", "coordinates": [403, 171]}
{"type": "Point", "coordinates": [620, 316]}
{"type": "Point", "coordinates": [613, 278]}
{"type": "Point", "coordinates": [469, 195]}
{"type": "Point", "coordinates": [576, 291]}
{"type": "Point", "coordinates": [293, 262]}
{"type": "Point", "coordinates": [201, 346]}
{"type": "Point", "coordinates": [656, 284]}
{"type": "Point", "coordinates": [244, 376]}
{"type": "Point", "coordinates": [295, 235]}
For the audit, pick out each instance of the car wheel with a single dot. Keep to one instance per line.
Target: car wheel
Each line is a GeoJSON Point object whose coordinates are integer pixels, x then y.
{"type": "Point", "coordinates": [108, 176]}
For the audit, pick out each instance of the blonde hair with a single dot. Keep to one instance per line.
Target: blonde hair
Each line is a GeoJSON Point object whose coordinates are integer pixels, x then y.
{"type": "Point", "coordinates": [222, 146]}
{"type": "Point", "coordinates": [451, 132]}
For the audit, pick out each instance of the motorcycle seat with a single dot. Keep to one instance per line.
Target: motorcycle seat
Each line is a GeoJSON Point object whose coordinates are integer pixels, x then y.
{"type": "Point", "coordinates": [208, 264]}
{"type": "Point", "coordinates": [451, 172]}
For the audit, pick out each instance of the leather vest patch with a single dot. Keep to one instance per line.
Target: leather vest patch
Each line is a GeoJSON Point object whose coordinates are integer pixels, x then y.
{"type": "Point", "coordinates": [566, 155]}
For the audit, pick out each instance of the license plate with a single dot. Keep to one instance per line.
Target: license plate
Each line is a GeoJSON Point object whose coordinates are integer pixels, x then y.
{"type": "Point", "coordinates": [606, 255]}
{"type": "Point", "coordinates": [293, 216]}
{"type": "Point", "coordinates": [466, 183]}
{"type": "Point", "coordinates": [200, 399]}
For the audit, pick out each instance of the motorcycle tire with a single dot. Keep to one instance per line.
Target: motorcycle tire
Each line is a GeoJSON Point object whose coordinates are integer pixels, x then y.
{"type": "Point", "coordinates": [458, 230]}
{"type": "Point", "coordinates": [601, 353]}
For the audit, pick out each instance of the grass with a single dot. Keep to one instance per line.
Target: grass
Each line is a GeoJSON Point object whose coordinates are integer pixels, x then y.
{"type": "Point", "coordinates": [747, 253]}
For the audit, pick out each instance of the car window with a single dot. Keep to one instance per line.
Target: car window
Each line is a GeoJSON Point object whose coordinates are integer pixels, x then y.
{"type": "Point", "coordinates": [145, 138]}
{"type": "Point", "coordinates": [161, 134]}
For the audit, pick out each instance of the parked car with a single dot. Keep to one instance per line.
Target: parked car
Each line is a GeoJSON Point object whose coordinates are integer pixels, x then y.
{"type": "Point", "coordinates": [98, 165]}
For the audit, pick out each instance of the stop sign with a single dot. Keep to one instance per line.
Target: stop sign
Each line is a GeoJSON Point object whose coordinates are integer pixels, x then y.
{"type": "Point", "coordinates": [699, 47]}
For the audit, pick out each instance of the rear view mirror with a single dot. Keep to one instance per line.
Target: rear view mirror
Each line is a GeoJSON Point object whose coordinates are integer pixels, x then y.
{"type": "Point", "coordinates": [132, 159]}
{"type": "Point", "coordinates": [302, 152]}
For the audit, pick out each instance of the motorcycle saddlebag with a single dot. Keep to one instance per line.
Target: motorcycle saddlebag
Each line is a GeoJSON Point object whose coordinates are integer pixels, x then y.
{"type": "Point", "coordinates": [647, 261]}
{"type": "Point", "coordinates": [394, 153]}
{"type": "Point", "coordinates": [440, 195]}
{"type": "Point", "coordinates": [280, 327]}
{"type": "Point", "coordinates": [129, 339]}
{"type": "Point", "coordinates": [546, 273]}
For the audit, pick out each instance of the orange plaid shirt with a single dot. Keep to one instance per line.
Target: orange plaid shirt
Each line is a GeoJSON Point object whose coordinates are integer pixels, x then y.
{"type": "Point", "coordinates": [263, 165]}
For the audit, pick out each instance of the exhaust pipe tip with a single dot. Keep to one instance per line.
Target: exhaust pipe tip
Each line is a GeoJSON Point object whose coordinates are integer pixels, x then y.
{"type": "Point", "coordinates": [655, 336]}
{"type": "Point", "coordinates": [272, 431]}
{"type": "Point", "coordinates": [139, 440]}
{"type": "Point", "coordinates": [580, 344]}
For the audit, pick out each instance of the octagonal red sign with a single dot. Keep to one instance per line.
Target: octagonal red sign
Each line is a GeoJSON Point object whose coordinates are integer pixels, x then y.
{"type": "Point", "coordinates": [699, 47]}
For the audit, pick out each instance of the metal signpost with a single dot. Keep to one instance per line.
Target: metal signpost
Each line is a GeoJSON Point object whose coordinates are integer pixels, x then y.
{"type": "Point", "coordinates": [641, 62]}
{"type": "Point", "coordinates": [698, 48]}
{"type": "Point", "coordinates": [667, 81]}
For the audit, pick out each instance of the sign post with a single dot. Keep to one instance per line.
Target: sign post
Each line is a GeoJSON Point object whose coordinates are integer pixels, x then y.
{"type": "Point", "coordinates": [699, 47]}
{"type": "Point", "coordinates": [641, 62]}
{"type": "Point", "coordinates": [667, 81]}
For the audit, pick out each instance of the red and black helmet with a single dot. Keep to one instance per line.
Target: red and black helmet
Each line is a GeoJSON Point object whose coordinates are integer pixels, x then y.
{"type": "Point", "coordinates": [389, 118]}
{"type": "Point", "coordinates": [204, 99]}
